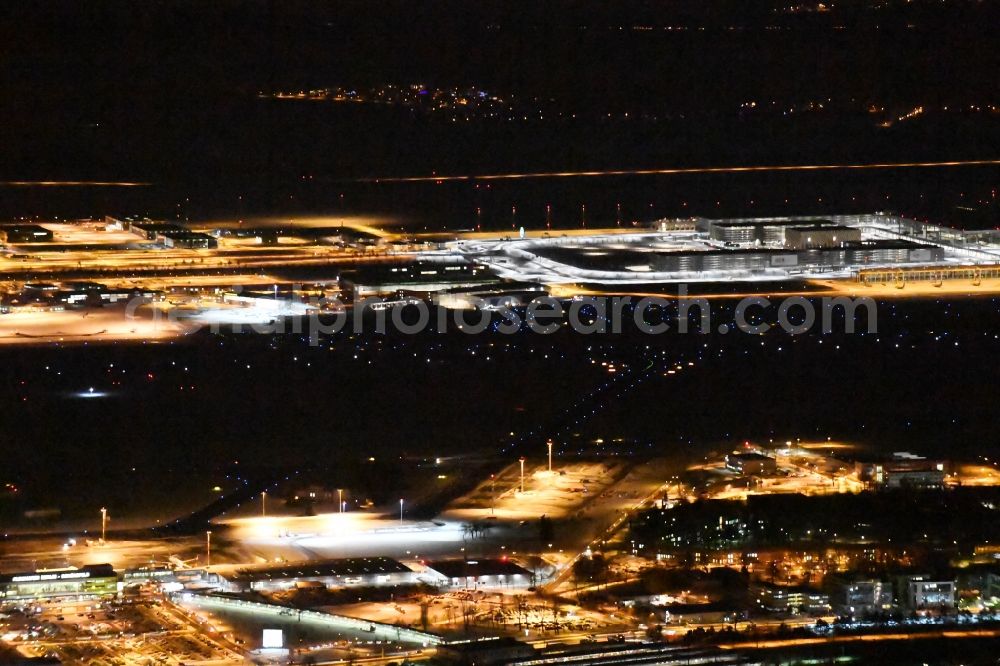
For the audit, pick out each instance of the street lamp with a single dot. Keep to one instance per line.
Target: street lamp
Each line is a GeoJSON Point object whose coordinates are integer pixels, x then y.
{"type": "Point", "coordinates": [400, 510]}
{"type": "Point", "coordinates": [340, 499]}
{"type": "Point", "coordinates": [208, 548]}
{"type": "Point", "coordinates": [104, 523]}
{"type": "Point", "coordinates": [263, 504]}
{"type": "Point", "coordinates": [493, 494]}
{"type": "Point", "coordinates": [549, 444]}
{"type": "Point", "coordinates": [522, 474]}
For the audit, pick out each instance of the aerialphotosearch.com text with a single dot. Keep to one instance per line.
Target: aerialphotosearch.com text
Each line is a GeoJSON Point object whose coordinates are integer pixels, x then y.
{"type": "Point", "coordinates": [544, 315]}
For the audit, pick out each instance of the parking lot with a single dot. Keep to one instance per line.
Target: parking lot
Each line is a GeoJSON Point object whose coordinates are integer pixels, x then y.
{"type": "Point", "coordinates": [96, 632]}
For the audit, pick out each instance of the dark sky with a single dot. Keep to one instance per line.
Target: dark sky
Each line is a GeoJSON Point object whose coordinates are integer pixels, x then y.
{"type": "Point", "coordinates": [150, 88]}
{"type": "Point", "coordinates": [119, 49]}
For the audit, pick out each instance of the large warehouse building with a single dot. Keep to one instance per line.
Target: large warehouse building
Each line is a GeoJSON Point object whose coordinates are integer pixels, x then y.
{"type": "Point", "coordinates": [25, 233]}
{"type": "Point", "coordinates": [820, 235]}
{"type": "Point", "coordinates": [329, 573]}
{"type": "Point", "coordinates": [848, 253]}
{"type": "Point", "coordinates": [479, 573]}
{"type": "Point", "coordinates": [772, 232]}
{"type": "Point", "coordinates": [751, 464]}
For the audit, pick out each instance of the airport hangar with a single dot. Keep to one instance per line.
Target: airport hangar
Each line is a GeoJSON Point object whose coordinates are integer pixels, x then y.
{"type": "Point", "coordinates": [364, 571]}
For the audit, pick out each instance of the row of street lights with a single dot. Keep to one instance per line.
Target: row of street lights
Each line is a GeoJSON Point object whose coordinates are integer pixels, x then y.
{"type": "Point", "coordinates": [263, 502]}
{"type": "Point", "coordinates": [340, 491]}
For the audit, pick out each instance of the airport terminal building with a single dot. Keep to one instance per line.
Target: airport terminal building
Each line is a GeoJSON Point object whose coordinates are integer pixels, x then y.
{"type": "Point", "coordinates": [704, 249]}
{"type": "Point", "coordinates": [94, 580]}
{"type": "Point", "coordinates": [25, 233]}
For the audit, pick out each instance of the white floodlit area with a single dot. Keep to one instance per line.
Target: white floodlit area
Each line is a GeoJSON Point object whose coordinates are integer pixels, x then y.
{"type": "Point", "coordinates": [237, 310]}
{"type": "Point", "coordinates": [348, 534]}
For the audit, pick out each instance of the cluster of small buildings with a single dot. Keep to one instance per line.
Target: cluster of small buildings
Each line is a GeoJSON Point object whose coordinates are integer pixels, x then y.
{"type": "Point", "coordinates": [416, 279]}
{"type": "Point", "coordinates": [173, 235]}
{"type": "Point", "coordinates": [167, 234]}
{"type": "Point", "coordinates": [844, 595]}
{"type": "Point", "coordinates": [788, 233]}
{"type": "Point", "coordinates": [857, 597]}
{"type": "Point", "coordinates": [70, 294]}
{"type": "Point", "coordinates": [901, 470]}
